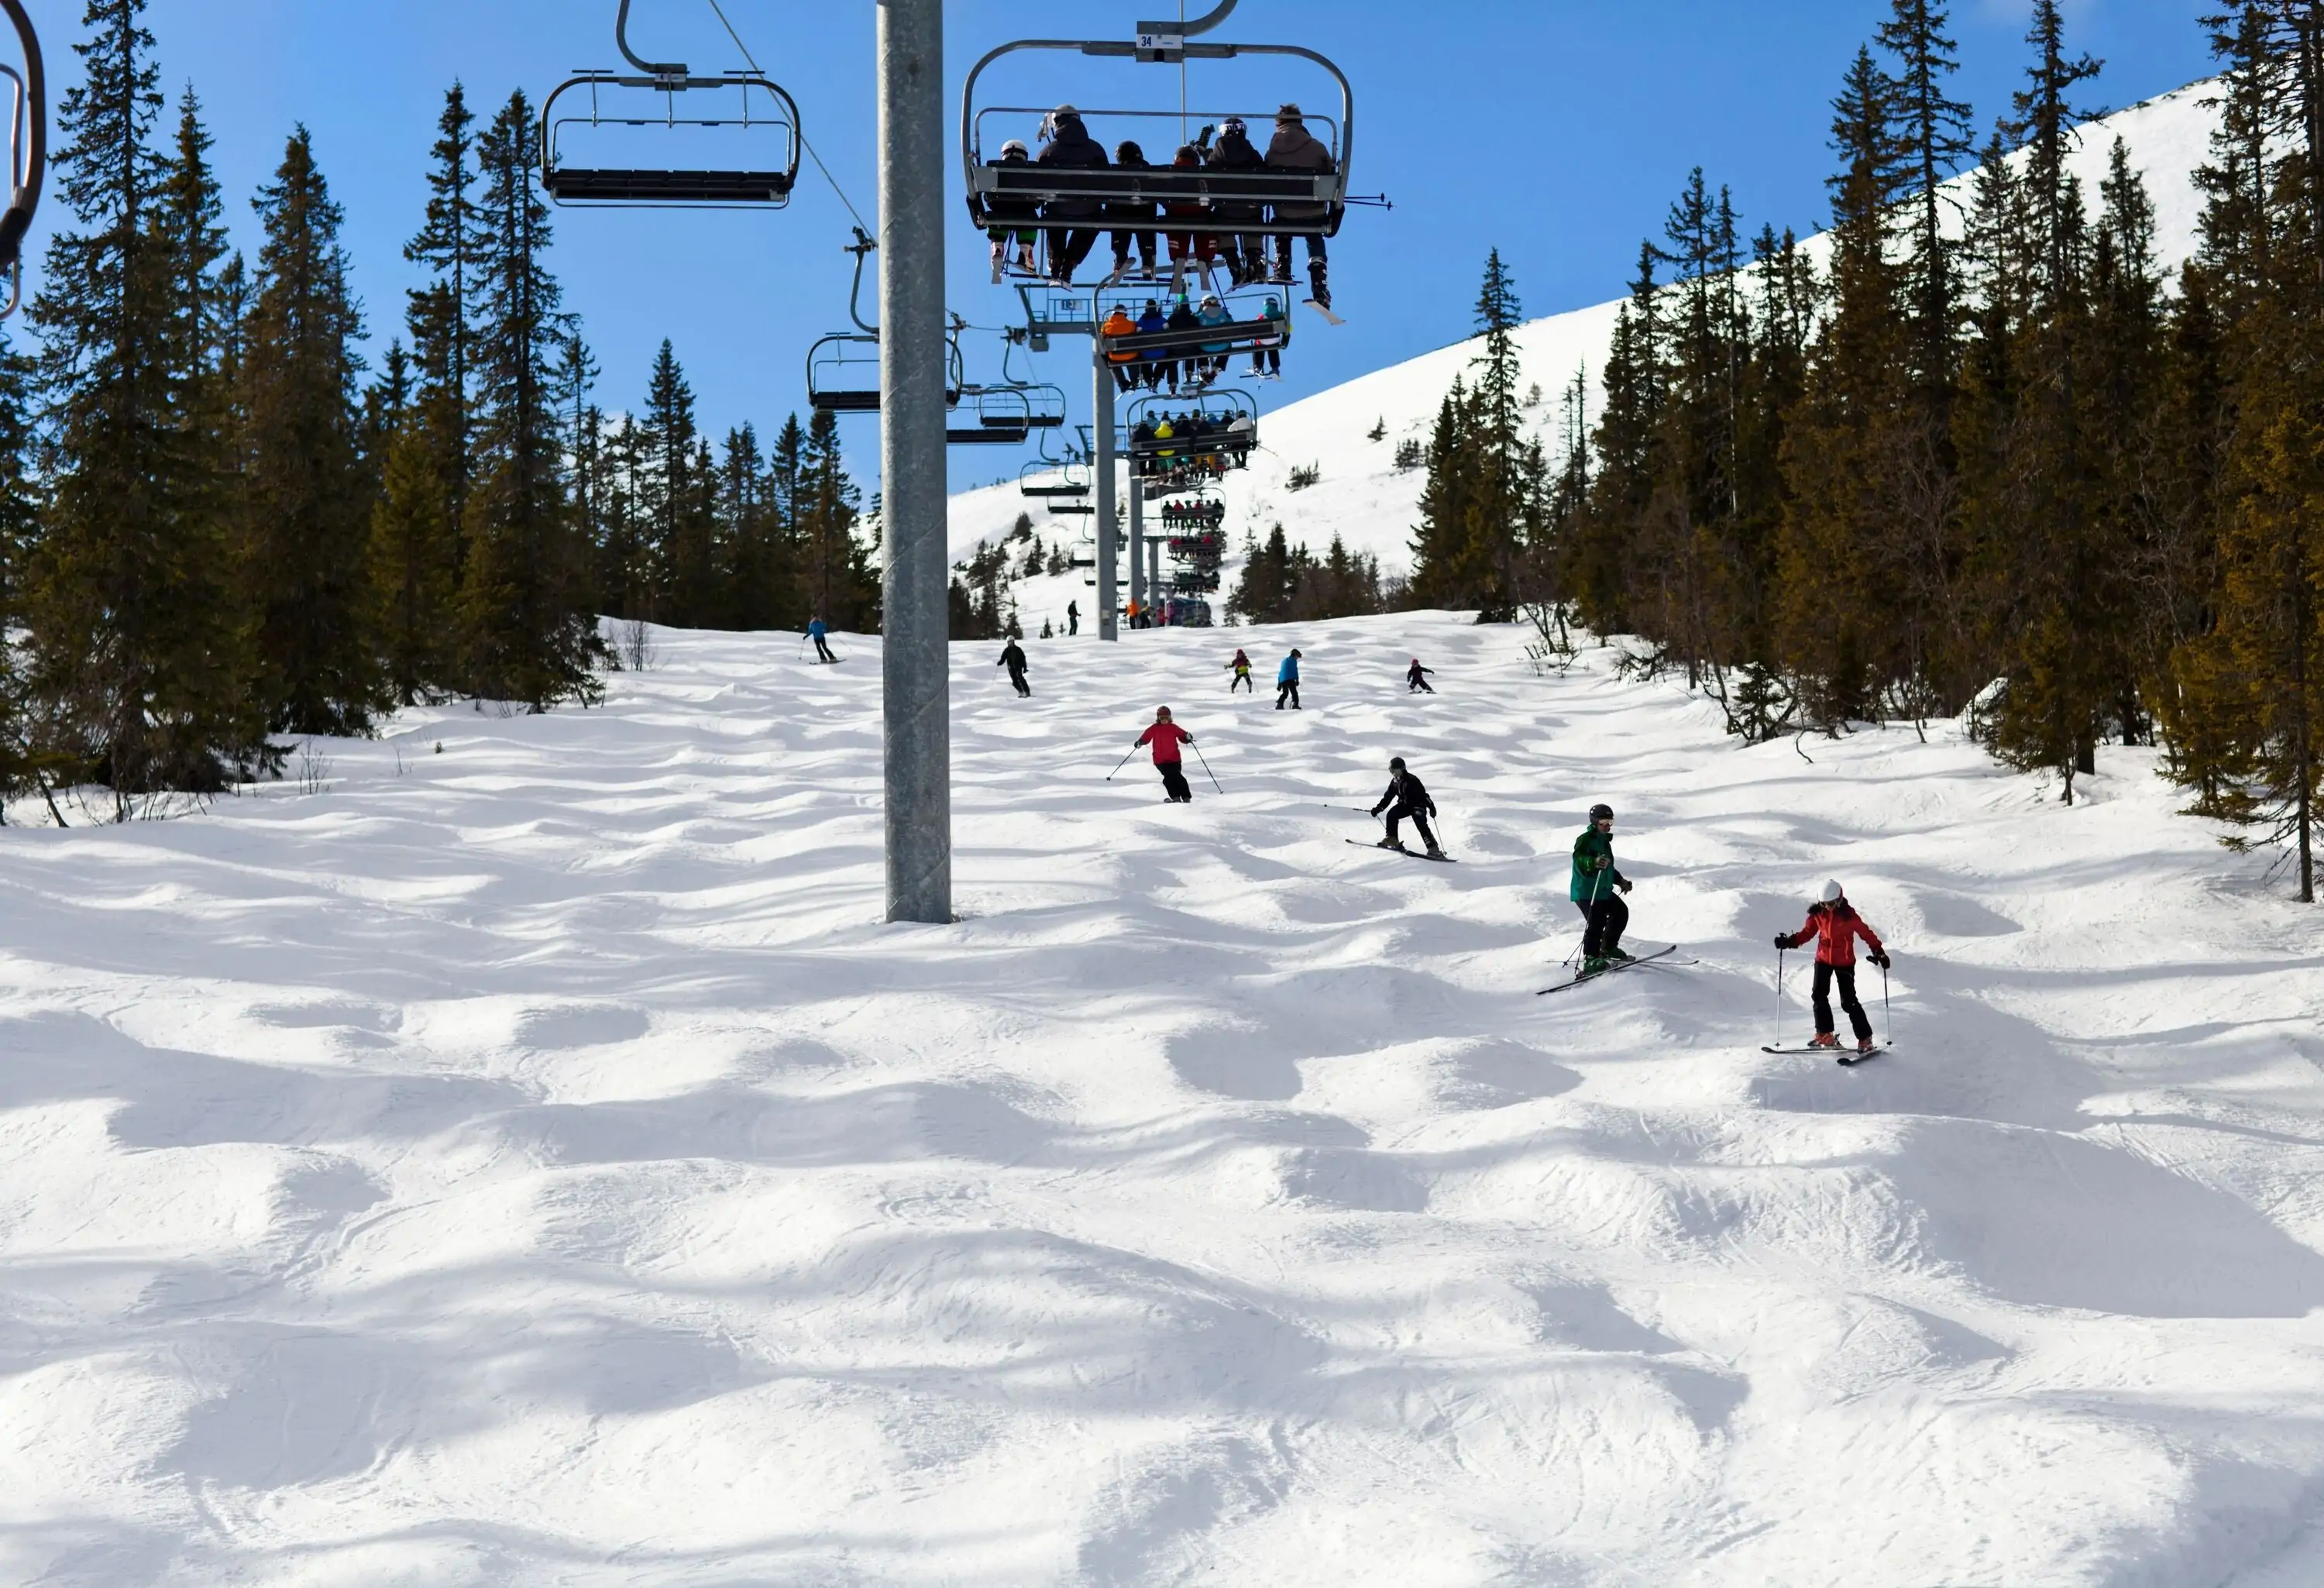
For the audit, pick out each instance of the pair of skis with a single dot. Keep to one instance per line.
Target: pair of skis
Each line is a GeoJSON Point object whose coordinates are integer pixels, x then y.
{"type": "Point", "coordinates": [1408, 854]}
{"type": "Point", "coordinates": [1848, 1058]}
{"type": "Point", "coordinates": [1619, 964]}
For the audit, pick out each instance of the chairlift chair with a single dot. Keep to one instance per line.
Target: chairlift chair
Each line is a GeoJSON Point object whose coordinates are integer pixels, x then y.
{"type": "Point", "coordinates": [1043, 479]}
{"type": "Point", "coordinates": [1194, 192]}
{"type": "Point", "coordinates": [751, 104]}
{"type": "Point", "coordinates": [28, 150]}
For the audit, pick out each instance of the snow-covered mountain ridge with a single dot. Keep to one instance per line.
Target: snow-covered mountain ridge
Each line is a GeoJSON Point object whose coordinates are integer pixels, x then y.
{"type": "Point", "coordinates": [1373, 507]}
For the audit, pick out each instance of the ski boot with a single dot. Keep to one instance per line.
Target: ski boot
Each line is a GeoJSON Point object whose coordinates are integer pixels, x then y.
{"type": "Point", "coordinates": [1864, 1046]}
{"type": "Point", "coordinates": [1319, 281]}
{"type": "Point", "coordinates": [1620, 956]}
{"type": "Point", "coordinates": [1436, 854]}
{"type": "Point", "coordinates": [1595, 965]}
{"type": "Point", "coordinates": [1392, 843]}
{"type": "Point", "coordinates": [1825, 1039]}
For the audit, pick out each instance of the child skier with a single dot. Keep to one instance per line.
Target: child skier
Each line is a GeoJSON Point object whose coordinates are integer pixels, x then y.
{"type": "Point", "coordinates": [1835, 926]}
{"type": "Point", "coordinates": [1166, 736]}
{"type": "Point", "coordinates": [1406, 797]}
{"type": "Point", "coordinates": [1415, 679]}
{"type": "Point", "coordinates": [1593, 871]}
{"type": "Point", "coordinates": [1240, 667]}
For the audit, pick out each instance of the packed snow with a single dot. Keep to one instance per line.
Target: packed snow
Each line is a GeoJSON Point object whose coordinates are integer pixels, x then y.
{"type": "Point", "coordinates": [526, 1159]}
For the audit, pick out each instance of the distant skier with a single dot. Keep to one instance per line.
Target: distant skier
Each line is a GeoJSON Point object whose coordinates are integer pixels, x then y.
{"type": "Point", "coordinates": [1406, 797]}
{"type": "Point", "coordinates": [1073, 618]}
{"type": "Point", "coordinates": [816, 630]}
{"type": "Point", "coordinates": [1835, 926]}
{"type": "Point", "coordinates": [1012, 657]}
{"type": "Point", "coordinates": [1287, 682]}
{"type": "Point", "coordinates": [1601, 904]}
{"type": "Point", "coordinates": [1240, 667]}
{"type": "Point", "coordinates": [1415, 679]}
{"type": "Point", "coordinates": [1166, 736]}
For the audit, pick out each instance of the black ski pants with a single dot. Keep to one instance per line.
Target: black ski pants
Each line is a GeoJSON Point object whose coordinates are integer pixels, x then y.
{"type": "Point", "coordinates": [821, 651]}
{"type": "Point", "coordinates": [1845, 975]}
{"type": "Point", "coordinates": [1419, 819]}
{"type": "Point", "coordinates": [1608, 918]}
{"type": "Point", "coordinates": [1242, 681]}
{"type": "Point", "coordinates": [1287, 690]}
{"type": "Point", "coordinates": [1017, 676]}
{"type": "Point", "coordinates": [1173, 780]}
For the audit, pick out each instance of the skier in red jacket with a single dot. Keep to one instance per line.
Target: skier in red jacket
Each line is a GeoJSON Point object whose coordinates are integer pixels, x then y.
{"type": "Point", "coordinates": [1166, 736]}
{"type": "Point", "coordinates": [1835, 926]}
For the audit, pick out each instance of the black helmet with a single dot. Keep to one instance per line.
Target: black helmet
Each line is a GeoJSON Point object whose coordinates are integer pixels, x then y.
{"type": "Point", "coordinates": [1602, 812]}
{"type": "Point", "coordinates": [1395, 763]}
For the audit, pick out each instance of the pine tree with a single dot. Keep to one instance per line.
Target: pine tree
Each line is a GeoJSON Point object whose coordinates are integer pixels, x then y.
{"type": "Point", "coordinates": [442, 315]}
{"type": "Point", "coordinates": [22, 750]}
{"type": "Point", "coordinates": [674, 498]}
{"type": "Point", "coordinates": [844, 587]}
{"type": "Point", "coordinates": [140, 648]}
{"type": "Point", "coordinates": [1932, 137]}
{"type": "Point", "coordinates": [527, 630]}
{"type": "Point", "coordinates": [309, 517]}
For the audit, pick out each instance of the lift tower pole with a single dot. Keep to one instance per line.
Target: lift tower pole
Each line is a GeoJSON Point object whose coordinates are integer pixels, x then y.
{"type": "Point", "coordinates": [1109, 521]}
{"type": "Point", "coordinates": [916, 674]}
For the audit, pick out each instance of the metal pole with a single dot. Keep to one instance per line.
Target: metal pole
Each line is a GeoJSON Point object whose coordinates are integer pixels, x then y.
{"type": "Point", "coordinates": [916, 672]}
{"type": "Point", "coordinates": [1109, 523]}
{"type": "Point", "coordinates": [1141, 591]}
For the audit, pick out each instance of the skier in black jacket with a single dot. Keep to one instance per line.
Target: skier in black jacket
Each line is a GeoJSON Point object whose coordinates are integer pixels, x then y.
{"type": "Point", "coordinates": [1406, 797]}
{"type": "Point", "coordinates": [1012, 657]}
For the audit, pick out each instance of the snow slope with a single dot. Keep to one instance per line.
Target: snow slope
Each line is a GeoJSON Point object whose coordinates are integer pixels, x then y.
{"type": "Point", "coordinates": [1374, 508]}
{"type": "Point", "coordinates": [532, 1163]}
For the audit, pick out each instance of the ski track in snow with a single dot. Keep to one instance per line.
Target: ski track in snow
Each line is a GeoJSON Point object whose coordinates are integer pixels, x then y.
{"type": "Point", "coordinates": [538, 1165]}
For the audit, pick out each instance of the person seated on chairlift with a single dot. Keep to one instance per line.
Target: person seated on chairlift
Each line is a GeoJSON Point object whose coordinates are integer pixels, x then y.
{"type": "Point", "coordinates": [1126, 214]}
{"type": "Point", "coordinates": [1159, 363]}
{"type": "Point", "coordinates": [1267, 356]}
{"type": "Point", "coordinates": [1125, 364]}
{"type": "Point", "coordinates": [1072, 231]}
{"type": "Point", "coordinates": [1199, 248]}
{"type": "Point", "coordinates": [1214, 313]}
{"type": "Point", "coordinates": [1246, 256]}
{"type": "Point", "coordinates": [1182, 318]}
{"type": "Point", "coordinates": [1012, 219]}
{"type": "Point", "coordinates": [1296, 151]}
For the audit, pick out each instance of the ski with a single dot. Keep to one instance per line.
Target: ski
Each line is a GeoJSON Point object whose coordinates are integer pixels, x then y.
{"type": "Point", "coordinates": [1610, 970]}
{"type": "Point", "coordinates": [1326, 313]}
{"type": "Point", "coordinates": [1848, 1057]}
{"type": "Point", "coordinates": [1408, 854]}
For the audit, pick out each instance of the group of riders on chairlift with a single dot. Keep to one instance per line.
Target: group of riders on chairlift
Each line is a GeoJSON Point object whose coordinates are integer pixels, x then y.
{"type": "Point", "coordinates": [1072, 225]}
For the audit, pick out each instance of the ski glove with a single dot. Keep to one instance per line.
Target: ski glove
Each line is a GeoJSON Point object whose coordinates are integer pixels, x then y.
{"type": "Point", "coordinates": [1881, 960]}
{"type": "Point", "coordinates": [1783, 940]}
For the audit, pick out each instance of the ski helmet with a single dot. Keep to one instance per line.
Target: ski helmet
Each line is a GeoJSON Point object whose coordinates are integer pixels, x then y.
{"type": "Point", "coordinates": [1161, 714]}
{"type": "Point", "coordinates": [1602, 812]}
{"type": "Point", "coordinates": [1395, 763]}
{"type": "Point", "coordinates": [1833, 892]}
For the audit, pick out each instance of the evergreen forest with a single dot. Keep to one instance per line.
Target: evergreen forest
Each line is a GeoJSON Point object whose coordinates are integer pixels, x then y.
{"type": "Point", "coordinates": [222, 525]}
{"type": "Point", "coordinates": [1986, 457]}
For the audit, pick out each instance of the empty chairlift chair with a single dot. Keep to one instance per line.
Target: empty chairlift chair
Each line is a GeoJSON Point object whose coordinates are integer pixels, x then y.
{"type": "Point", "coordinates": [729, 141]}
{"type": "Point", "coordinates": [28, 150]}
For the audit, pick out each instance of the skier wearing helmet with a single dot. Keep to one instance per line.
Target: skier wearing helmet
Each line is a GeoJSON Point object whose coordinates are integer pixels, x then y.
{"type": "Point", "coordinates": [1594, 893]}
{"type": "Point", "coordinates": [1834, 925]}
{"type": "Point", "coordinates": [1166, 736]}
{"type": "Point", "coordinates": [1246, 256]}
{"type": "Point", "coordinates": [1408, 798]}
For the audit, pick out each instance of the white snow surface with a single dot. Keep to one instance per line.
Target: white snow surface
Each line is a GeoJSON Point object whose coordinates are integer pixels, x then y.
{"type": "Point", "coordinates": [534, 1163]}
{"type": "Point", "coordinates": [1375, 509]}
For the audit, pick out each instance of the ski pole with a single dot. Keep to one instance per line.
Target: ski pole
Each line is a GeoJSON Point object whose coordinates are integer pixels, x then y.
{"type": "Point", "coordinates": [1779, 995]}
{"type": "Point", "coordinates": [1206, 767]}
{"type": "Point", "coordinates": [1589, 918]}
{"type": "Point", "coordinates": [1887, 1011]}
{"type": "Point", "coordinates": [1119, 764]}
{"type": "Point", "coordinates": [802, 650]}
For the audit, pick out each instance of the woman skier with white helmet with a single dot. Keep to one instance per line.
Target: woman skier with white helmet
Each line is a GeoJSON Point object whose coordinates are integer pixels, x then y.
{"type": "Point", "coordinates": [1834, 925]}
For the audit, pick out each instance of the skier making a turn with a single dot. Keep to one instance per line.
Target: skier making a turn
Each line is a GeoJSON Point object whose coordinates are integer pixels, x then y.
{"type": "Point", "coordinates": [1415, 679]}
{"type": "Point", "coordinates": [1240, 667]}
{"type": "Point", "coordinates": [1166, 736]}
{"type": "Point", "coordinates": [1406, 797]}
{"type": "Point", "coordinates": [1287, 682]}
{"type": "Point", "coordinates": [816, 630]}
{"type": "Point", "coordinates": [1600, 904]}
{"type": "Point", "coordinates": [1835, 926]}
{"type": "Point", "coordinates": [1012, 657]}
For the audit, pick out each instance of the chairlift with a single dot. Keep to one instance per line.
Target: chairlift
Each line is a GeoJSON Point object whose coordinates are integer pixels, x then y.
{"type": "Point", "coordinates": [1043, 479]}
{"type": "Point", "coordinates": [1013, 195]}
{"type": "Point", "coordinates": [28, 151]}
{"type": "Point", "coordinates": [1225, 432]}
{"type": "Point", "coordinates": [746, 103]}
{"type": "Point", "coordinates": [843, 369]}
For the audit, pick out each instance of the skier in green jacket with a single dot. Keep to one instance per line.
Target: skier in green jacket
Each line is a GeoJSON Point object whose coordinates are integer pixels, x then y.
{"type": "Point", "coordinates": [1594, 892]}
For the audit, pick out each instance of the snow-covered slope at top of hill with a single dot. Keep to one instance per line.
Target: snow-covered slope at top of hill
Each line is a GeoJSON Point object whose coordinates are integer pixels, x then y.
{"type": "Point", "coordinates": [1362, 496]}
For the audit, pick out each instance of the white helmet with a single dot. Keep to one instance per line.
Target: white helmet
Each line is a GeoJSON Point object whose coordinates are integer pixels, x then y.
{"type": "Point", "coordinates": [1833, 892]}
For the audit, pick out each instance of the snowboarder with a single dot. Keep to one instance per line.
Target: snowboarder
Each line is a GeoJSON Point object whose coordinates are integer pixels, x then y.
{"type": "Point", "coordinates": [1073, 618]}
{"type": "Point", "coordinates": [1835, 926]}
{"type": "Point", "coordinates": [1012, 657]}
{"type": "Point", "coordinates": [1415, 679]}
{"type": "Point", "coordinates": [816, 630]}
{"type": "Point", "coordinates": [1166, 736]}
{"type": "Point", "coordinates": [1240, 667]}
{"type": "Point", "coordinates": [1406, 797]}
{"type": "Point", "coordinates": [1287, 682]}
{"type": "Point", "coordinates": [1600, 904]}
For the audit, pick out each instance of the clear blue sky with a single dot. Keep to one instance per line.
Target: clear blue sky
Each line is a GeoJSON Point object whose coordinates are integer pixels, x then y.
{"type": "Point", "coordinates": [1557, 130]}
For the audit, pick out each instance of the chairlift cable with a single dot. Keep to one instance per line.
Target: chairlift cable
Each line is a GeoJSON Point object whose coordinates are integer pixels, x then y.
{"type": "Point", "coordinates": [752, 62]}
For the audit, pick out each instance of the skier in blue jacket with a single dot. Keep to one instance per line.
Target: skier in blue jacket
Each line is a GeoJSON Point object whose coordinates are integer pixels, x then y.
{"type": "Point", "coordinates": [1287, 682]}
{"type": "Point", "coordinates": [816, 630]}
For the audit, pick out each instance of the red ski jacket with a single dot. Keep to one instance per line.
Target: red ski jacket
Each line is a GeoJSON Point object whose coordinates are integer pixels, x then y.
{"type": "Point", "coordinates": [1835, 928]}
{"type": "Point", "coordinates": [1165, 738]}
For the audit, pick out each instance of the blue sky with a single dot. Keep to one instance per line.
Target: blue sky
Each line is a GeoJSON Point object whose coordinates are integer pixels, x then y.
{"type": "Point", "coordinates": [1557, 130]}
